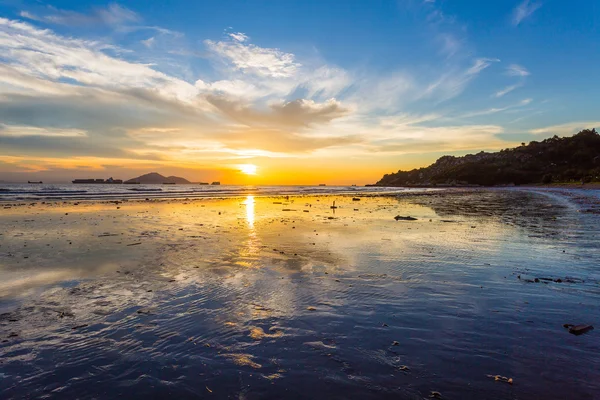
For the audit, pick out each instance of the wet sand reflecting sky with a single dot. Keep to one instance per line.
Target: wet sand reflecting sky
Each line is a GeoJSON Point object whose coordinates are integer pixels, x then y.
{"type": "Point", "coordinates": [276, 297]}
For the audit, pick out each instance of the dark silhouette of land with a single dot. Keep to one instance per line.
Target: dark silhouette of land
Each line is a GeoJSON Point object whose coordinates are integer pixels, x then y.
{"type": "Point", "coordinates": [567, 159]}
{"type": "Point", "coordinates": [156, 178]}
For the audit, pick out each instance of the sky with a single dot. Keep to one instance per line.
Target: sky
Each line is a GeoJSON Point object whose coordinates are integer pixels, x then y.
{"type": "Point", "coordinates": [286, 92]}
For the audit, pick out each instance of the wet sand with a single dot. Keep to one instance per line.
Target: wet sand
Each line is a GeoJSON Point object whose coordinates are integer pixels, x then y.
{"type": "Point", "coordinates": [273, 297]}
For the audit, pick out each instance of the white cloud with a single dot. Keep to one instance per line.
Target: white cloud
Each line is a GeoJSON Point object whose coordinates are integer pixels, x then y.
{"type": "Point", "coordinates": [453, 83]}
{"type": "Point", "coordinates": [496, 110]}
{"type": "Point", "coordinates": [566, 129]}
{"type": "Point", "coordinates": [524, 10]}
{"type": "Point", "coordinates": [481, 64]}
{"type": "Point", "coordinates": [239, 37]}
{"type": "Point", "coordinates": [251, 59]}
{"type": "Point", "coordinates": [450, 45]}
{"type": "Point", "coordinates": [15, 130]}
{"type": "Point", "coordinates": [517, 70]}
{"type": "Point", "coordinates": [149, 43]}
{"type": "Point", "coordinates": [45, 55]}
{"type": "Point", "coordinates": [113, 15]}
{"type": "Point", "coordinates": [507, 90]}
{"type": "Point", "coordinates": [116, 14]}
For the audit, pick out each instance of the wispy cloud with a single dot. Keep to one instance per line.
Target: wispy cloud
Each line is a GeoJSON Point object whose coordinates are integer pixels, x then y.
{"type": "Point", "coordinates": [20, 131]}
{"type": "Point", "coordinates": [514, 70]}
{"type": "Point", "coordinates": [524, 10]}
{"type": "Point", "coordinates": [507, 90]}
{"type": "Point", "coordinates": [239, 37]}
{"type": "Point", "coordinates": [114, 15]}
{"type": "Point", "coordinates": [149, 43]}
{"type": "Point", "coordinates": [517, 70]}
{"type": "Point", "coordinates": [566, 129]}
{"type": "Point", "coordinates": [481, 64]}
{"type": "Point", "coordinates": [252, 59]}
{"type": "Point", "coordinates": [496, 110]}
{"type": "Point", "coordinates": [450, 44]}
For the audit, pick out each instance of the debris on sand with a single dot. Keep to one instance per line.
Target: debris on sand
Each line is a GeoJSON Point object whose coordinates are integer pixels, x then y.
{"type": "Point", "coordinates": [435, 395]}
{"type": "Point", "coordinates": [79, 326]}
{"type": "Point", "coordinates": [578, 329]}
{"type": "Point", "coordinates": [355, 199]}
{"type": "Point", "coordinates": [134, 244]}
{"type": "Point", "coordinates": [272, 377]}
{"type": "Point", "coordinates": [311, 308]}
{"type": "Point", "coordinates": [400, 218]}
{"type": "Point", "coordinates": [242, 360]}
{"type": "Point", "coordinates": [319, 345]}
{"type": "Point", "coordinates": [500, 378]}
{"type": "Point", "coordinates": [404, 368]}
{"type": "Point", "coordinates": [257, 333]}
{"type": "Point", "coordinates": [395, 343]}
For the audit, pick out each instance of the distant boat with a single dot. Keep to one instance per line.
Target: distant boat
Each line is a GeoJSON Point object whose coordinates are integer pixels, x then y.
{"type": "Point", "coordinates": [202, 183]}
{"type": "Point", "coordinates": [216, 183]}
{"type": "Point", "coordinates": [109, 181]}
{"type": "Point", "coordinates": [145, 190]}
{"type": "Point", "coordinates": [35, 182]}
{"type": "Point", "coordinates": [131, 183]}
{"type": "Point", "coordinates": [169, 183]}
{"type": "Point", "coordinates": [322, 184]}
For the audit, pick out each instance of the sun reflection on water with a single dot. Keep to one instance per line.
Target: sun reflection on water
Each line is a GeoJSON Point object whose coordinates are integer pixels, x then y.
{"type": "Point", "coordinates": [250, 251]}
{"type": "Point", "coordinates": [250, 211]}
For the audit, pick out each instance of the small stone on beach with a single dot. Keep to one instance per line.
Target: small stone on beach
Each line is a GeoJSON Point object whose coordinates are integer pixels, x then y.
{"type": "Point", "coordinates": [400, 218]}
{"type": "Point", "coordinates": [500, 378]}
{"type": "Point", "coordinates": [578, 329]}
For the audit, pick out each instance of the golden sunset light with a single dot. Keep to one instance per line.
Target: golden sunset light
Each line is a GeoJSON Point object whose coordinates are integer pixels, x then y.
{"type": "Point", "coordinates": [248, 169]}
{"type": "Point", "coordinates": [299, 199]}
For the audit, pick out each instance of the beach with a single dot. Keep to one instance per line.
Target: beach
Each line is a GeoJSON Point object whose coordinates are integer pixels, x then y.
{"type": "Point", "coordinates": [290, 294]}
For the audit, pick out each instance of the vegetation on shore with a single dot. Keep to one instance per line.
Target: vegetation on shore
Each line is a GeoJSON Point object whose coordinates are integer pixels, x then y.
{"type": "Point", "coordinates": [556, 159]}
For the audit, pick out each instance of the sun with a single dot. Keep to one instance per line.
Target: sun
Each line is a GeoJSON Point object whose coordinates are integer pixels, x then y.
{"type": "Point", "coordinates": [248, 169]}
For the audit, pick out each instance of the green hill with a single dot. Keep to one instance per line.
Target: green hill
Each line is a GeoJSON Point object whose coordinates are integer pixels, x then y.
{"type": "Point", "coordinates": [567, 159]}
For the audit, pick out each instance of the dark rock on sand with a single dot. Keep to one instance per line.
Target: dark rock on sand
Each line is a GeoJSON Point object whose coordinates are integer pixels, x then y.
{"type": "Point", "coordinates": [400, 218]}
{"type": "Point", "coordinates": [578, 329]}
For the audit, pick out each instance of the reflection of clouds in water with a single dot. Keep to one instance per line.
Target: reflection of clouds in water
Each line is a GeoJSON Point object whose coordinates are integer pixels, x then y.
{"type": "Point", "coordinates": [312, 280]}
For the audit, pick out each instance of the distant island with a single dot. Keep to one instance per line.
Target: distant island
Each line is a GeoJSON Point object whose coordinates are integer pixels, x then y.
{"type": "Point", "coordinates": [156, 178]}
{"type": "Point", "coordinates": [567, 159]}
{"type": "Point", "coordinates": [153, 178]}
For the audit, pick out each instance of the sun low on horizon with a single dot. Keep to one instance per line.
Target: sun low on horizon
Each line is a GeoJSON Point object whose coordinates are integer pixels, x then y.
{"type": "Point", "coordinates": [248, 169]}
{"type": "Point", "coordinates": [94, 90]}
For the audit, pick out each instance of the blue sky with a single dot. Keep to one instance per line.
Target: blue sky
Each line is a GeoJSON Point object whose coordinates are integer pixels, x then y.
{"type": "Point", "coordinates": [358, 87]}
